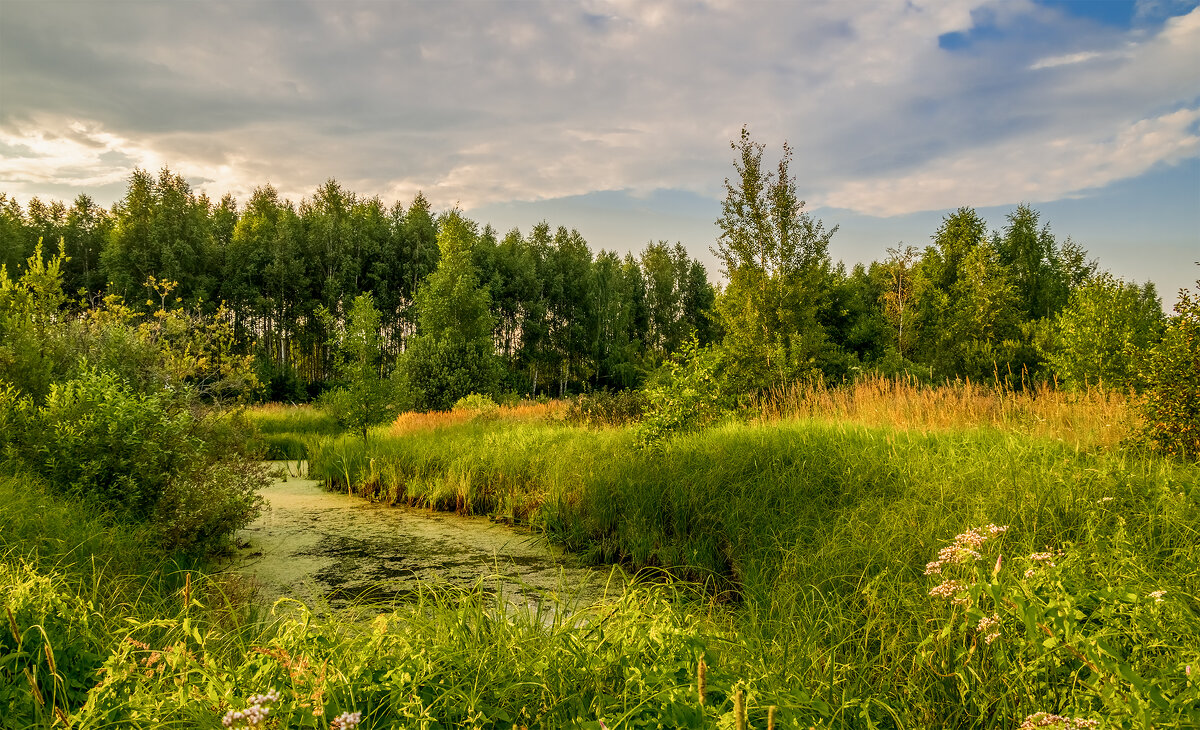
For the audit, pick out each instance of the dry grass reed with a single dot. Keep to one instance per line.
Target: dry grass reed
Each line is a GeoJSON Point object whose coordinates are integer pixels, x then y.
{"type": "Point", "coordinates": [523, 412]}
{"type": "Point", "coordinates": [1096, 417]}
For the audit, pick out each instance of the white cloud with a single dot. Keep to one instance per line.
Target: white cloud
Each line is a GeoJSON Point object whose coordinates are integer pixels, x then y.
{"type": "Point", "coordinates": [480, 103]}
{"type": "Point", "coordinates": [1070, 58]}
{"type": "Point", "coordinates": [1025, 170]}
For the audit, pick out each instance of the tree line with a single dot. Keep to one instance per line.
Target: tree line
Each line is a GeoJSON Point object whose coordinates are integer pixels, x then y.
{"type": "Point", "coordinates": [541, 314]}
{"type": "Point", "coordinates": [562, 319]}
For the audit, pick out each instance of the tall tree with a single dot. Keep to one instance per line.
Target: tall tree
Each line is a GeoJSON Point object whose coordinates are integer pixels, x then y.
{"type": "Point", "coordinates": [88, 227]}
{"type": "Point", "coordinates": [365, 398]}
{"type": "Point", "coordinates": [14, 237]}
{"type": "Point", "coordinates": [452, 353]}
{"type": "Point", "coordinates": [897, 297]}
{"type": "Point", "coordinates": [776, 258]}
{"type": "Point", "coordinates": [1030, 255]}
{"type": "Point", "coordinates": [967, 311]}
{"type": "Point", "coordinates": [131, 255]}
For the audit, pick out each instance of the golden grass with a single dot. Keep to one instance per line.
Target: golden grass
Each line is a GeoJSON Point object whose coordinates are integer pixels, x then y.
{"type": "Point", "coordinates": [1095, 417]}
{"type": "Point", "coordinates": [523, 412]}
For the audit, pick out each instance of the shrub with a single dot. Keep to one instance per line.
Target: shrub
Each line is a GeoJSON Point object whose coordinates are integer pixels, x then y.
{"type": "Point", "coordinates": [95, 439]}
{"type": "Point", "coordinates": [197, 511]}
{"type": "Point", "coordinates": [684, 395]}
{"type": "Point", "coordinates": [477, 403]}
{"type": "Point", "coordinates": [1172, 376]}
{"type": "Point", "coordinates": [143, 457]}
{"type": "Point", "coordinates": [607, 408]}
{"type": "Point", "coordinates": [1103, 332]}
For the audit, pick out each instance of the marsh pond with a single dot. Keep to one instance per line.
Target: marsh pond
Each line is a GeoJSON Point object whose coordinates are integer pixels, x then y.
{"type": "Point", "coordinates": [332, 550]}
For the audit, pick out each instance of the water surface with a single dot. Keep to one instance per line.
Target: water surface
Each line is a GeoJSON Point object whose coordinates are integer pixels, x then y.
{"type": "Point", "coordinates": [331, 549]}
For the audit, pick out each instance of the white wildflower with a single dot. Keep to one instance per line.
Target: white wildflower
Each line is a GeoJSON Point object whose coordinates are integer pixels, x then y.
{"type": "Point", "coordinates": [946, 589]}
{"type": "Point", "coordinates": [989, 626]}
{"type": "Point", "coordinates": [346, 721]}
{"type": "Point", "coordinates": [1046, 719]}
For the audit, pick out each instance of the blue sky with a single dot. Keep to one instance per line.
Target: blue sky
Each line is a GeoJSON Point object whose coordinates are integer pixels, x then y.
{"type": "Point", "coordinates": [615, 116]}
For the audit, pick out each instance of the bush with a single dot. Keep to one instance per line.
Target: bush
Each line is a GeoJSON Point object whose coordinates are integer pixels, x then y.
{"type": "Point", "coordinates": [1172, 376]}
{"type": "Point", "coordinates": [97, 440]}
{"type": "Point", "coordinates": [684, 395]}
{"type": "Point", "coordinates": [607, 408]}
{"type": "Point", "coordinates": [143, 457]}
{"type": "Point", "coordinates": [477, 403]}
{"type": "Point", "coordinates": [1104, 331]}
{"type": "Point", "coordinates": [197, 511]}
{"type": "Point", "coordinates": [433, 374]}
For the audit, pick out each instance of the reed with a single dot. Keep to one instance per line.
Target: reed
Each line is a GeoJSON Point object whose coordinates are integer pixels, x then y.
{"type": "Point", "coordinates": [1094, 417]}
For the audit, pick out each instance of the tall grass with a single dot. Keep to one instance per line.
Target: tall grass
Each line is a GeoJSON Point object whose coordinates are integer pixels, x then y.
{"type": "Point", "coordinates": [820, 532]}
{"type": "Point", "coordinates": [112, 636]}
{"type": "Point", "coordinates": [521, 412]}
{"type": "Point", "coordinates": [282, 431]}
{"type": "Point", "coordinates": [1096, 416]}
{"type": "Point", "coordinates": [272, 418]}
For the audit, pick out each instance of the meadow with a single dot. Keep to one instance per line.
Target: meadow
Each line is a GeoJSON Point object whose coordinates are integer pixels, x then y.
{"type": "Point", "coordinates": [882, 554]}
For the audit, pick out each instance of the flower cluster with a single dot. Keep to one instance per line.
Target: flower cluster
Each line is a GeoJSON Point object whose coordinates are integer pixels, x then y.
{"type": "Point", "coordinates": [1158, 596]}
{"type": "Point", "coordinates": [989, 626]}
{"type": "Point", "coordinates": [255, 713]}
{"type": "Point", "coordinates": [1045, 719]}
{"type": "Point", "coordinates": [947, 589]}
{"type": "Point", "coordinates": [1044, 560]}
{"type": "Point", "coordinates": [346, 721]}
{"type": "Point", "coordinates": [965, 548]}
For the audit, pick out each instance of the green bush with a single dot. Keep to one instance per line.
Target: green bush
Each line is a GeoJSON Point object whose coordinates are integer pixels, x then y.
{"type": "Point", "coordinates": [684, 395]}
{"type": "Point", "coordinates": [607, 408]}
{"type": "Point", "coordinates": [200, 508]}
{"type": "Point", "coordinates": [1103, 333]}
{"type": "Point", "coordinates": [477, 403]}
{"type": "Point", "coordinates": [97, 440]}
{"type": "Point", "coordinates": [143, 457]}
{"type": "Point", "coordinates": [1172, 377]}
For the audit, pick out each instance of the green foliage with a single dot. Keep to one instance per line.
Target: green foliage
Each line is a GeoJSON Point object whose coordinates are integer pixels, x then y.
{"type": "Point", "coordinates": [367, 398]}
{"type": "Point", "coordinates": [142, 456]}
{"type": "Point", "coordinates": [47, 643]}
{"type": "Point", "coordinates": [1103, 334]}
{"type": "Point", "coordinates": [30, 307]}
{"type": "Point", "coordinates": [434, 373]}
{"type": "Point", "coordinates": [776, 257]}
{"type": "Point", "coordinates": [1172, 378]}
{"type": "Point", "coordinates": [452, 356]}
{"type": "Point", "coordinates": [95, 439]}
{"type": "Point", "coordinates": [200, 508]}
{"type": "Point", "coordinates": [476, 403]}
{"type": "Point", "coordinates": [685, 394]}
{"type": "Point", "coordinates": [967, 320]}
{"type": "Point", "coordinates": [604, 408]}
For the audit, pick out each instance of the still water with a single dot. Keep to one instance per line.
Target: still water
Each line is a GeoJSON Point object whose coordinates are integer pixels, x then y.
{"type": "Point", "coordinates": [330, 550]}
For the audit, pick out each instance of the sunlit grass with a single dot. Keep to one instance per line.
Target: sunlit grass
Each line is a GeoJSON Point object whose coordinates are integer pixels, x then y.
{"type": "Point", "coordinates": [1097, 416]}
{"type": "Point", "coordinates": [819, 531]}
{"type": "Point", "coordinates": [523, 412]}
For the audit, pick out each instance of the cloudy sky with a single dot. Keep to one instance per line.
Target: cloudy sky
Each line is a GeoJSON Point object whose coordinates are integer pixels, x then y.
{"type": "Point", "coordinates": [616, 117]}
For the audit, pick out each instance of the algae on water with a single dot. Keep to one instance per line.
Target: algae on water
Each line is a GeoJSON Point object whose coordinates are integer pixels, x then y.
{"type": "Point", "coordinates": [329, 548]}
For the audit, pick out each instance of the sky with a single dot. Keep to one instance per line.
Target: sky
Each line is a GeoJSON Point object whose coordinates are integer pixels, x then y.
{"type": "Point", "coordinates": [615, 117]}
